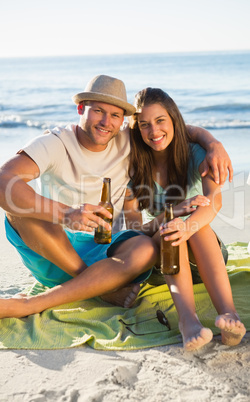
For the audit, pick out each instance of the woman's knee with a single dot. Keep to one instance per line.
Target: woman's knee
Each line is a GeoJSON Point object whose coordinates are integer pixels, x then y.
{"type": "Point", "coordinates": [204, 235]}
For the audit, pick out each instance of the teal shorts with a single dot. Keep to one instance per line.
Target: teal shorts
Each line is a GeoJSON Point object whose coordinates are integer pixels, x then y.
{"type": "Point", "coordinates": [51, 275]}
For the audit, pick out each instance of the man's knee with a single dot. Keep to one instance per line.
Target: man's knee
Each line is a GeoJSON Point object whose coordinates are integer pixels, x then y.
{"type": "Point", "coordinates": [12, 220]}
{"type": "Point", "coordinates": [30, 229]}
{"type": "Point", "coordinates": [138, 251]}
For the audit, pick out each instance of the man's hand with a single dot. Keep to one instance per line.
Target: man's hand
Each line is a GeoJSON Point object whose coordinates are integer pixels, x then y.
{"type": "Point", "coordinates": [219, 162]}
{"type": "Point", "coordinates": [217, 158]}
{"type": "Point", "coordinates": [85, 218]}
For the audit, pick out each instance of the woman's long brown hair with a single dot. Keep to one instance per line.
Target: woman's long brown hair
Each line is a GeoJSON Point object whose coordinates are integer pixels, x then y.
{"type": "Point", "coordinates": [141, 166]}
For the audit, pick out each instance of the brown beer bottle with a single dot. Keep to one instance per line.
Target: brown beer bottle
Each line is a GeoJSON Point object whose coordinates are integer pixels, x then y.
{"type": "Point", "coordinates": [169, 254]}
{"type": "Point", "coordinates": [103, 236]}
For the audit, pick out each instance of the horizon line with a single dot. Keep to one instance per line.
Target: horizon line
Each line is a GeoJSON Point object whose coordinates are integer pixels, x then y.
{"type": "Point", "coordinates": [127, 53]}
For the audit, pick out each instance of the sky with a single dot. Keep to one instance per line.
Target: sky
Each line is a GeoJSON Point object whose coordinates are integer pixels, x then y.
{"type": "Point", "coordinates": [60, 27]}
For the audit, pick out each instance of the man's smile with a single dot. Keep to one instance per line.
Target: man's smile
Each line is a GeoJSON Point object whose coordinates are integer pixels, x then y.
{"type": "Point", "coordinates": [103, 130]}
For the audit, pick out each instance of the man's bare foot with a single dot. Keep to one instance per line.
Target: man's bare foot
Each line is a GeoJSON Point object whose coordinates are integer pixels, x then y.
{"type": "Point", "coordinates": [232, 329]}
{"type": "Point", "coordinates": [15, 307]}
{"type": "Point", "coordinates": [19, 296]}
{"type": "Point", "coordinates": [124, 297]}
{"type": "Point", "coordinates": [195, 336]}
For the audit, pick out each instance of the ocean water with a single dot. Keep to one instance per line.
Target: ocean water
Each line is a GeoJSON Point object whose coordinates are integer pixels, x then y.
{"type": "Point", "coordinates": [212, 90]}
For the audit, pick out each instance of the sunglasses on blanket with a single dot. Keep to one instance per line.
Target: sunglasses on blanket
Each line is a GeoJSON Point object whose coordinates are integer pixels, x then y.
{"type": "Point", "coordinates": [160, 316]}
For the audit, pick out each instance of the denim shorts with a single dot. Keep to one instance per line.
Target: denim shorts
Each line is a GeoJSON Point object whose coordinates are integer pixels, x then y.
{"type": "Point", "coordinates": [51, 275]}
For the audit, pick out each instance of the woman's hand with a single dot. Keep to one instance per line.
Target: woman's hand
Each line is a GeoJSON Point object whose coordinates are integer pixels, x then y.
{"type": "Point", "coordinates": [85, 218]}
{"type": "Point", "coordinates": [177, 231]}
{"type": "Point", "coordinates": [188, 206]}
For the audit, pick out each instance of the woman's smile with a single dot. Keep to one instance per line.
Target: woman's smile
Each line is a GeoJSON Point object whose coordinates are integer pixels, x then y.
{"type": "Point", "coordinates": [158, 139]}
{"type": "Point", "coordinates": [156, 126]}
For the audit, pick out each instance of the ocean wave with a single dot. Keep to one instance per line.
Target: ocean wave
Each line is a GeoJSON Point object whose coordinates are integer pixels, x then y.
{"type": "Point", "coordinates": [219, 125]}
{"type": "Point", "coordinates": [16, 121]}
{"type": "Point", "coordinates": [229, 108]}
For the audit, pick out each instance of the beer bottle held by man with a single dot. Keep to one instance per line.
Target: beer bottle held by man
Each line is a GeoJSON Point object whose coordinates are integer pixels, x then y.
{"type": "Point", "coordinates": [169, 254]}
{"type": "Point", "coordinates": [102, 235]}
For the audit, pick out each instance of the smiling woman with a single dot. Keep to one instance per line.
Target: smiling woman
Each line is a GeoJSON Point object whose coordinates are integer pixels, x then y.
{"type": "Point", "coordinates": [156, 127]}
{"type": "Point", "coordinates": [164, 168]}
{"type": "Point", "coordinates": [159, 132]}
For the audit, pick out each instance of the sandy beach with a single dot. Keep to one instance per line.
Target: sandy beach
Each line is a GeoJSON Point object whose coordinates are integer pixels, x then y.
{"type": "Point", "coordinates": [214, 373]}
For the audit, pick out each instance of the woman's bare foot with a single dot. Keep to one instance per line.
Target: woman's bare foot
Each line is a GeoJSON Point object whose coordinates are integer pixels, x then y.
{"type": "Point", "coordinates": [194, 335]}
{"type": "Point", "coordinates": [124, 297]}
{"type": "Point", "coordinates": [232, 329]}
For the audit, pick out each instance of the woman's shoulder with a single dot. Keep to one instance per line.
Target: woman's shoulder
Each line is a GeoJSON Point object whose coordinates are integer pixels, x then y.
{"type": "Point", "coordinates": [194, 148]}
{"type": "Point", "coordinates": [196, 154]}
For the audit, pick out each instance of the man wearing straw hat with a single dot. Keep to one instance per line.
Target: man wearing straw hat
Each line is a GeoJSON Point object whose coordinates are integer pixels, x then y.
{"type": "Point", "coordinates": [52, 231]}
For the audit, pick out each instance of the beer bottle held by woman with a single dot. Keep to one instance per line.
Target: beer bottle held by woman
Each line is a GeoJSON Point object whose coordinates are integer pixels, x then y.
{"type": "Point", "coordinates": [102, 235]}
{"type": "Point", "coordinates": [169, 254]}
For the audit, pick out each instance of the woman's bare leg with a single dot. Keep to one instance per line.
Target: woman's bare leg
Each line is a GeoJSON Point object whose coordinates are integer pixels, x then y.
{"type": "Point", "coordinates": [131, 258]}
{"type": "Point", "coordinates": [194, 335]}
{"type": "Point", "coordinates": [181, 287]}
{"type": "Point", "coordinates": [213, 272]}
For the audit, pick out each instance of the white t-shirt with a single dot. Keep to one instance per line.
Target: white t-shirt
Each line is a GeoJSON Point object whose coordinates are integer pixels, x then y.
{"type": "Point", "coordinates": [71, 174]}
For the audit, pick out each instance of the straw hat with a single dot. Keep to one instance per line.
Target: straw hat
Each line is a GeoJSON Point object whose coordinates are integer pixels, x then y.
{"type": "Point", "coordinates": [108, 90]}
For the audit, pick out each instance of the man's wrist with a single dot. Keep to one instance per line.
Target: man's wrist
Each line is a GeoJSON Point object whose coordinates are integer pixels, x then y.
{"type": "Point", "coordinates": [61, 213]}
{"type": "Point", "coordinates": [213, 143]}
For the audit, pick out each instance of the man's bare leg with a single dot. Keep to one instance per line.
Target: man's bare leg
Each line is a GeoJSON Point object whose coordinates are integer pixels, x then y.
{"type": "Point", "coordinates": [131, 258]}
{"type": "Point", "coordinates": [213, 272]}
{"type": "Point", "coordinates": [50, 241]}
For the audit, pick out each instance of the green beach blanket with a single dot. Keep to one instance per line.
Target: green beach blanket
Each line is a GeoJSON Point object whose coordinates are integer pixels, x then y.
{"type": "Point", "coordinates": [106, 327]}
